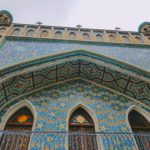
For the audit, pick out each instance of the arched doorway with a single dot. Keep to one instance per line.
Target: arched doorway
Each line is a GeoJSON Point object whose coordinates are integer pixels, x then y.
{"type": "Point", "coordinates": [82, 131]}
{"type": "Point", "coordinates": [17, 125]}
{"type": "Point", "coordinates": [139, 125]}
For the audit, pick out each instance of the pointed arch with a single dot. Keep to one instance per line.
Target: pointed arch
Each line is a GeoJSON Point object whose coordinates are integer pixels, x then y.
{"type": "Point", "coordinates": [112, 38]}
{"type": "Point", "coordinates": [85, 36]}
{"type": "Point", "coordinates": [99, 37]}
{"type": "Point", "coordinates": [139, 39]}
{"type": "Point", "coordinates": [81, 119]}
{"type": "Point", "coordinates": [58, 34]}
{"type": "Point", "coordinates": [72, 35]}
{"type": "Point", "coordinates": [21, 116]}
{"type": "Point", "coordinates": [15, 108]}
{"type": "Point", "coordinates": [138, 121]}
{"type": "Point", "coordinates": [88, 110]}
{"type": "Point", "coordinates": [30, 32]}
{"type": "Point", "coordinates": [125, 39]}
{"type": "Point", "coordinates": [16, 32]}
{"type": "Point", "coordinates": [141, 111]}
{"type": "Point", "coordinates": [2, 30]}
{"type": "Point", "coordinates": [44, 33]}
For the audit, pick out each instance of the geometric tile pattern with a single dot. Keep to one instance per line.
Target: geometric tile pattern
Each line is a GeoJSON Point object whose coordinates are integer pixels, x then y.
{"type": "Point", "coordinates": [53, 104]}
{"type": "Point", "coordinates": [33, 80]}
{"type": "Point", "coordinates": [117, 81]}
{"type": "Point", "coordinates": [18, 85]}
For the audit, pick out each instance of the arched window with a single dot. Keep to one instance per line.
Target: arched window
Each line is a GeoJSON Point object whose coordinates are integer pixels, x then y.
{"type": "Point", "coordinates": [58, 35]}
{"type": "Point", "coordinates": [21, 120]}
{"type": "Point", "coordinates": [81, 122]}
{"type": "Point", "coordinates": [126, 39]}
{"type": "Point", "coordinates": [139, 40]}
{"type": "Point", "coordinates": [16, 32]}
{"type": "Point", "coordinates": [72, 36]}
{"type": "Point", "coordinates": [2, 30]}
{"type": "Point", "coordinates": [30, 33]}
{"type": "Point", "coordinates": [86, 37]}
{"type": "Point", "coordinates": [112, 38]}
{"type": "Point", "coordinates": [139, 125]}
{"type": "Point", "coordinates": [99, 37]}
{"type": "Point", "coordinates": [44, 33]}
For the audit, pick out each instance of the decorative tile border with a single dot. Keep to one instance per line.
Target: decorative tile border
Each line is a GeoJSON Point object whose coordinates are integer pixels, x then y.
{"type": "Point", "coordinates": [33, 80]}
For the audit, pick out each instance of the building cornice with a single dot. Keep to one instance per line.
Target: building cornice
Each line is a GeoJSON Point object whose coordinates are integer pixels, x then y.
{"type": "Point", "coordinates": [80, 34]}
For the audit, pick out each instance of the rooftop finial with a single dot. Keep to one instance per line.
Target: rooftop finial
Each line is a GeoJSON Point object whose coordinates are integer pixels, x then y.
{"type": "Point", "coordinates": [39, 23]}
{"type": "Point", "coordinates": [78, 26]}
{"type": "Point", "coordinates": [117, 28]}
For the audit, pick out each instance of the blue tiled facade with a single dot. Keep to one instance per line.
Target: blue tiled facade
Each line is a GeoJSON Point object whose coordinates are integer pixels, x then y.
{"type": "Point", "coordinates": [14, 51]}
{"type": "Point", "coordinates": [53, 105]}
{"type": "Point", "coordinates": [55, 75]}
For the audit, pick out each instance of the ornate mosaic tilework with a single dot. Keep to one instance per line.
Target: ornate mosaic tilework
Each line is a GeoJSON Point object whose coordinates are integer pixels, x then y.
{"type": "Point", "coordinates": [33, 80]}
{"type": "Point", "coordinates": [53, 104]}
{"type": "Point", "coordinates": [14, 51]}
{"type": "Point", "coordinates": [21, 84]}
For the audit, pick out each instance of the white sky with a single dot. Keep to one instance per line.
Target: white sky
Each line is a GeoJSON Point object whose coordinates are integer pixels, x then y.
{"type": "Point", "coordinates": [103, 14]}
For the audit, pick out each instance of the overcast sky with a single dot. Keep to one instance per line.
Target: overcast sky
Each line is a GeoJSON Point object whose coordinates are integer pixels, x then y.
{"type": "Point", "coordinates": [103, 14]}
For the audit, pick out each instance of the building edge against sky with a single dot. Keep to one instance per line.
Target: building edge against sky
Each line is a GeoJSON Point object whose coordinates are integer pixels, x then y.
{"type": "Point", "coordinates": [65, 79]}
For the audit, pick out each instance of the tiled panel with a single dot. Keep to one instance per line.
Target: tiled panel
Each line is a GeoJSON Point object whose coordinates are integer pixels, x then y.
{"type": "Point", "coordinates": [18, 85]}
{"type": "Point", "coordinates": [140, 89]}
{"type": "Point", "coordinates": [67, 70]}
{"type": "Point", "coordinates": [92, 71]}
{"type": "Point", "coordinates": [120, 82]}
{"type": "Point", "coordinates": [115, 80]}
{"type": "Point", "coordinates": [44, 77]}
{"type": "Point", "coordinates": [53, 104]}
{"type": "Point", "coordinates": [14, 51]}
